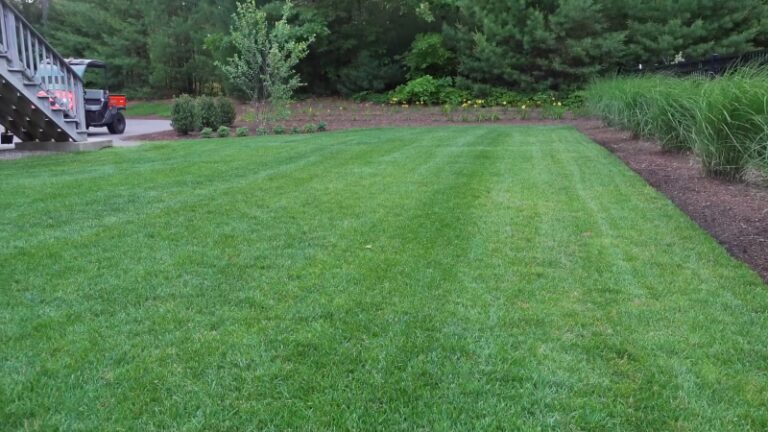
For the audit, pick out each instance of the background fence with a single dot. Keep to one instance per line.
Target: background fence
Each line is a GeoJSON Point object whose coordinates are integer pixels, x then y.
{"type": "Point", "coordinates": [714, 65]}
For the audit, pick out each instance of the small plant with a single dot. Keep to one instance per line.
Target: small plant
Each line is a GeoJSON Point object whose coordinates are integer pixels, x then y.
{"type": "Point", "coordinates": [242, 132]}
{"type": "Point", "coordinates": [209, 112]}
{"type": "Point", "coordinates": [278, 130]}
{"type": "Point", "coordinates": [310, 128]}
{"type": "Point", "coordinates": [262, 131]}
{"type": "Point", "coordinates": [524, 113]}
{"type": "Point", "coordinates": [295, 130]}
{"type": "Point", "coordinates": [206, 133]}
{"type": "Point", "coordinates": [223, 132]}
{"type": "Point", "coordinates": [226, 109]}
{"type": "Point", "coordinates": [556, 111]}
{"type": "Point", "coordinates": [184, 115]}
{"type": "Point", "coordinates": [322, 127]}
{"type": "Point", "coordinates": [250, 116]}
{"type": "Point", "coordinates": [495, 116]}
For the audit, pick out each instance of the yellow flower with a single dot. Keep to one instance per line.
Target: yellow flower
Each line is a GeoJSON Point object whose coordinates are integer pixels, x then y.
{"type": "Point", "coordinates": [523, 107]}
{"type": "Point", "coordinates": [559, 104]}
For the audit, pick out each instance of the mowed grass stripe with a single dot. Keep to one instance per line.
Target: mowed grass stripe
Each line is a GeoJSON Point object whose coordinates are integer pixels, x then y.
{"type": "Point", "coordinates": [452, 278]}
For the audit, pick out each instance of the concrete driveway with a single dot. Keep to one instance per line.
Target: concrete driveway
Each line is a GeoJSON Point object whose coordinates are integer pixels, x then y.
{"type": "Point", "coordinates": [134, 128]}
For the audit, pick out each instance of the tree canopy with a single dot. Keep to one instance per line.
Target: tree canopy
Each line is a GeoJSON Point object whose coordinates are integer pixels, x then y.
{"type": "Point", "coordinates": [171, 47]}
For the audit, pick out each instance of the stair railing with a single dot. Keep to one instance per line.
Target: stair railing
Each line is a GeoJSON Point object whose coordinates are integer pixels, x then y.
{"type": "Point", "coordinates": [28, 52]}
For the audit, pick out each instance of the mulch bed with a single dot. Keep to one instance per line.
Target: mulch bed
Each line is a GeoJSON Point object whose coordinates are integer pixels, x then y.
{"type": "Point", "coordinates": [736, 214]}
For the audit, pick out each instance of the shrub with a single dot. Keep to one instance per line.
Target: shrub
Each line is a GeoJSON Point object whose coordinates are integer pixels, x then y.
{"type": "Point", "coordinates": [322, 127]}
{"type": "Point", "coordinates": [226, 110]}
{"type": "Point", "coordinates": [295, 130]}
{"type": "Point", "coordinates": [242, 132]}
{"type": "Point", "coordinates": [262, 131]}
{"type": "Point", "coordinates": [278, 130]}
{"type": "Point", "coordinates": [184, 115]}
{"type": "Point", "coordinates": [206, 133]}
{"type": "Point", "coordinates": [429, 91]}
{"type": "Point", "coordinates": [209, 112]}
{"type": "Point", "coordinates": [223, 132]}
{"type": "Point", "coordinates": [310, 128]}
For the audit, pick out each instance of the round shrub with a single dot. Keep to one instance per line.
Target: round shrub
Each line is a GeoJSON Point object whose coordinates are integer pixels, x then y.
{"type": "Point", "coordinates": [223, 132]}
{"type": "Point", "coordinates": [278, 130]}
{"type": "Point", "coordinates": [322, 127]}
{"type": "Point", "coordinates": [209, 112]}
{"type": "Point", "coordinates": [185, 117]}
{"type": "Point", "coordinates": [242, 132]}
{"type": "Point", "coordinates": [206, 133]}
{"type": "Point", "coordinates": [310, 128]}
{"type": "Point", "coordinates": [227, 113]}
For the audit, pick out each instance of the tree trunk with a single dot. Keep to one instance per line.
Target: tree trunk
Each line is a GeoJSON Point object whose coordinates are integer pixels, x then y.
{"type": "Point", "coordinates": [45, 5]}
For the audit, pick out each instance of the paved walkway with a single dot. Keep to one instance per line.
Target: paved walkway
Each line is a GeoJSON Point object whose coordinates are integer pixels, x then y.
{"type": "Point", "coordinates": [134, 127]}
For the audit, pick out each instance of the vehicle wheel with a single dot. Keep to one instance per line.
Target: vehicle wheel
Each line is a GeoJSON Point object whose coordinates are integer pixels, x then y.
{"type": "Point", "coordinates": [118, 124]}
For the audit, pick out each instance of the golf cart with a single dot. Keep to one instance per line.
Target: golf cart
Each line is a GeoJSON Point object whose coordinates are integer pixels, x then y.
{"type": "Point", "coordinates": [101, 108]}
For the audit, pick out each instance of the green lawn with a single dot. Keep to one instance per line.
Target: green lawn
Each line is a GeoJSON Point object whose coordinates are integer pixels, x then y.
{"type": "Point", "coordinates": [149, 109]}
{"type": "Point", "coordinates": [467, 278]}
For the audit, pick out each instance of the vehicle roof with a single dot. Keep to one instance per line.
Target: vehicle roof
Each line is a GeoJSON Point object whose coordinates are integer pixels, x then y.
{"type": "Point", "coordinates": [87, 63]}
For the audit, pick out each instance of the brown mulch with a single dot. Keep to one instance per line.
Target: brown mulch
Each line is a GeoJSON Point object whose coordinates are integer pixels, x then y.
{"type": "Point", "coordinates": [736, 214]}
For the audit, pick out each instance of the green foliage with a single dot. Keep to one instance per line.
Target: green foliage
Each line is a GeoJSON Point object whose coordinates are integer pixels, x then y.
{"type": "Point", "coordinates": [322, 127]}
{"type": "Point", "coordinates": [173, 47]}
{"type": "Point", "coordinates": [206, 133]}
{"type": "Point", "coordinates": [242, 132]}
{"type": "Point", "coordinates": [209, 112]}
{"type": "Point", "coordinates": [429, 91]}
{"type": "Point", "coordinates": [263, 66]}
{"type": "Point", "coordinates": [278, 130]}
{"type": "Point", "coordinates": [429, 56]}
{"type": "Point", "coordinates": [223, 132]}
{"type": "Point", "coordinates": [185, 117]}
{"type": "Point", "coordinates": [226, 111]}
{"type": "Point", "coordinates": [310, 128]}
{"type": "Point", "coordinates": [295, 130]}
{"type": "Point", "coordinates": [722, 120]}
{"type": "Point", "coordinates": [533, 47]}
{"type": "Point", "coordinates": [262, 131]}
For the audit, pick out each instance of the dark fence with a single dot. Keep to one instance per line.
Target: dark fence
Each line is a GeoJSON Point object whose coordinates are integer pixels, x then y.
{"type": "Point", "coordinates": [715, 65]}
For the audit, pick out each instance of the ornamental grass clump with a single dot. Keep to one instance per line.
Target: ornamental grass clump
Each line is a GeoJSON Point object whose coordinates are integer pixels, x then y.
{"type": "Point", "coordinates": [723, 120]}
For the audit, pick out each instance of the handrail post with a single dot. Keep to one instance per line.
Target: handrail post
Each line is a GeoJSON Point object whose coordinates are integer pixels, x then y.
{"type": "Point", "coordinates": [3, 37]}
{"type": "Point", "coordinates": [9, 19]}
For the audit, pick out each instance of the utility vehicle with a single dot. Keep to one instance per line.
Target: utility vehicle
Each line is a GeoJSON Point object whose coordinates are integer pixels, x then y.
{"type": "Point", "coordinates": [101, 108]}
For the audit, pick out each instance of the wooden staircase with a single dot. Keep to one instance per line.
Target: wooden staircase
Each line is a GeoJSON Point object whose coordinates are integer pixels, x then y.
{"type": "Point", "coordinates": [41, 96]}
